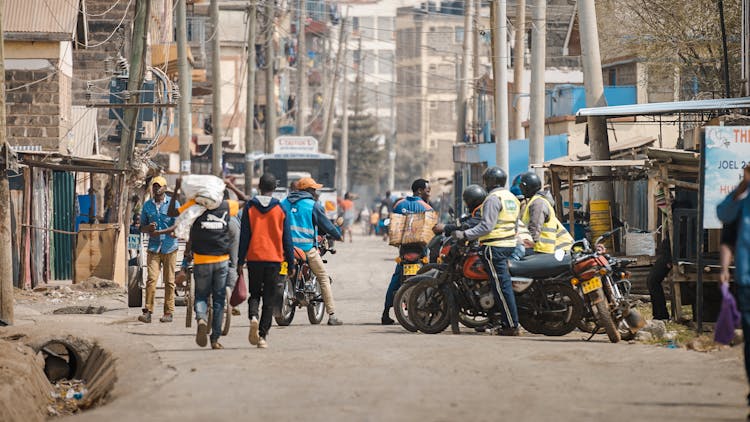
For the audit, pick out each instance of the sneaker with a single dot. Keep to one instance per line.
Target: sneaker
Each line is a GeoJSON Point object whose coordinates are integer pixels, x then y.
{"type": "Point", "coordinates": [332, 320]}
{"type": "Point", "coordinates": [253, 337]}
{"type": "Point", "coordinates": [511, 332]}
{"type": "Point", "coordinates": [262, 343]}
{"type": "Point", "coordinates": [236, 311]}
{"type": "Point", "coordinates": [166, 318]}
{"type": "Point", "coordinates": [201, 337]}
{"type": "Point", "coordinates": [386, 319]}
{"type": "Point", "coordinates": [146, 317]}
{"type": "Point", "coordinates": [216, 345]}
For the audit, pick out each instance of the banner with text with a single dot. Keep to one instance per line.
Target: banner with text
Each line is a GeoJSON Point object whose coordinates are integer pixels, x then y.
{"type": "Point", "coordinates": [727, 153]}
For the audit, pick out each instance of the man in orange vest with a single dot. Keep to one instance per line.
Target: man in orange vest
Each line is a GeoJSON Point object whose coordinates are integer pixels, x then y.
{"type": "Point", "coordinates": [266, 246]}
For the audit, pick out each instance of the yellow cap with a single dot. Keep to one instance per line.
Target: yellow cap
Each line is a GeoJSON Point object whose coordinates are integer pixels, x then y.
{"type": "Point", "coordinates": [158, 180]}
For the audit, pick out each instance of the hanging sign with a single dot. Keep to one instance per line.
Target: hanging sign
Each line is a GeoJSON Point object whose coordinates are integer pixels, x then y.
{"type": "Point", "coordinates": [727, 154]}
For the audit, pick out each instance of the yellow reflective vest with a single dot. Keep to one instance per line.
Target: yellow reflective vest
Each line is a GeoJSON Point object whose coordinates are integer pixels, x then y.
{"type": "Point", "coordinates": [504, 232]}
{"type": "Point", "coordinates": [553, 235]}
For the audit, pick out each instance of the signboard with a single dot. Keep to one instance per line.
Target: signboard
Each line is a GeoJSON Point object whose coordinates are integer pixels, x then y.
{"type": "Point", "coordinates": [727, 154]}
{"type": "Point", "coordinates": [295, 145]}
{"type": "Point", "coordinates": [134, 241]}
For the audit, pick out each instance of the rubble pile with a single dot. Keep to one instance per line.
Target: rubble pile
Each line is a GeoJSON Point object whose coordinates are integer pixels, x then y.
{"type": "Point", "coordinates": [66, 397]}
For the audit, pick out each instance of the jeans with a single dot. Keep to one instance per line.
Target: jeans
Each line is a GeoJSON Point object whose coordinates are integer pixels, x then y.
{"type": "Point", "coordinates": [743, 303]}
{"type": "Point", "coordinates": [211, 279]}
{"type": "Point", "coordinates": [166, 263]}
{"type": "Point", "coordinates": [393, 286]}
{"type": "Point", "coordinates": [315, 261]}
{"type": "Point", "coordinates": [265, 283]}
{"type": "Point", "coordinates": [656, 276]}
{"type": "Point", "coordinates": [496, 260]}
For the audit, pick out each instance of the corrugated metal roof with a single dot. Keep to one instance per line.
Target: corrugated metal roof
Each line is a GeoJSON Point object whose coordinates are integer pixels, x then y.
{"type": "Point", "coordinates": [84, 131]}
{"type": "Point", "coordinates": [52, 19]}
{"type": "Point", "coordinates": [674, 107]}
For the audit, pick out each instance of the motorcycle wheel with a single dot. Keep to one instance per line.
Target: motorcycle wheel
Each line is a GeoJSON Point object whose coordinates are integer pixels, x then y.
{"type": "Point", "coordinates": [400, 306]}
{"type": "Point", "coordinates": [316, 308]}
{"type": "Point", "coordinates": [605, 318]}
{"type": "Point", "coordinates": [473, 321]}
{"type": "Point", "coordinates": [556, 294]}
{"type": "Point", "coordinates": [286, 313]}
{"type": "Point", "coordinates": [428, 307]}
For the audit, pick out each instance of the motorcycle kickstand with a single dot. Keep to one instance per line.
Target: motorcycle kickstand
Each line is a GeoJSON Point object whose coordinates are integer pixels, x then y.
{"type": "Point", "coordinates": [593, 332]}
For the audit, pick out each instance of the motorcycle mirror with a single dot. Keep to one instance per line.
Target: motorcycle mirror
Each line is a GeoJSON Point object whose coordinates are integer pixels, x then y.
{"type": "Point", "coordinates": [559, 255]}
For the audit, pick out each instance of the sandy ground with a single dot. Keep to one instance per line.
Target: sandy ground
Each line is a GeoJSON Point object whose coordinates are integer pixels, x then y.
{"type": "Point", "coordinates": [363, 371]}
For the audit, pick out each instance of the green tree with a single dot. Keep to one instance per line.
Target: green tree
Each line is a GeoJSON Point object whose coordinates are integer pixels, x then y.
{"type": "Point", "coordinates": [366, 152]}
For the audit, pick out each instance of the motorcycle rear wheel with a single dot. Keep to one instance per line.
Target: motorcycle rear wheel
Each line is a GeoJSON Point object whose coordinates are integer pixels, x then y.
{"type": "Point", "coordinates": [316, 308]}
{"type": "Point", "coordinates": [473, 321]}
{"type": "Point", "coordinates": [286, 313]}
{"type": "Point", "coordinates": [428, 307]}
{"type": "Point", "coordinates": [400, 306]}
{"type": "Point", "coordinates": [556, 294]}
{"type": "Point", "coordinates": [604, 317]}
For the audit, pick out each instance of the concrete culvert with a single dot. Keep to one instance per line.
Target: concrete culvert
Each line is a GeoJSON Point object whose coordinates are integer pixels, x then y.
{"type": "Point", "coordinates": [61, 360]}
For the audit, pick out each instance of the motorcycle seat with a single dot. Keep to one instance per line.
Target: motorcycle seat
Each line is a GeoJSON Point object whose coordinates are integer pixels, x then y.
{"type": "Point", "coordinates": [539, 266]}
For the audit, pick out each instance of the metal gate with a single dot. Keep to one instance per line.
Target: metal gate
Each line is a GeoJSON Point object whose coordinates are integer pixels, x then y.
{"type": "Point", "coordinates": [63, 218]}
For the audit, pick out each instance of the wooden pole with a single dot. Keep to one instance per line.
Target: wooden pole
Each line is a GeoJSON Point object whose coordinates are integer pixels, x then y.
{"type": "Point", "coordinates": [328, 134]}
{"type": "Point", "coordinates": [301, 103]}
{"type": "Point", "coordinates": [183, 69]}
{"type": "Point", "coordinates": [270, 79]}
{"type": "Point", "coordinates": [218, 151]}
{"type": "Point", "coordinates": [518, 69]}
{"type": "Point", "coordinates": [250, 96]}
{"type": "Point", "coordinates": [6, 257]}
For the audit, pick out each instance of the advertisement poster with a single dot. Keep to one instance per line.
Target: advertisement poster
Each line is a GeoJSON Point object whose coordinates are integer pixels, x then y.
{"type": "Point", "coordinates": [727, 153]}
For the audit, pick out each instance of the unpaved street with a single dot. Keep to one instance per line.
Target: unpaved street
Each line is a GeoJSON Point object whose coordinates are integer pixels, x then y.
{"type": "Point", "coordinates": [364, 371]}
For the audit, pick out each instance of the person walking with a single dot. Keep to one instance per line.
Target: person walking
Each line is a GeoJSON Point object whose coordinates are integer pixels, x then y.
{"type": "Point", "coordinates": [419, 202]}
{"type": "Point", "coordinates": [266, 246]}
{"type": "Point", "coordinates": [497, 235]}
{"type": "Point", "coordinates": [162, 248]}
{"type": "Point", "coordinates": [307, 218]}
{"type": "Point", "coordinates": [348, 213]}
{"type": "Point", "coordinates": [735, 209]}
{"type": "Point", "coordinates": [210, 244]}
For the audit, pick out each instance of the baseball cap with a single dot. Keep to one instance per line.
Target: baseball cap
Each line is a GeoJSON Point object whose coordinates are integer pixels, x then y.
{"type": "Point", "coordinates": [158, 180]}
{"type": "Point", "coordinates": [307, 183]}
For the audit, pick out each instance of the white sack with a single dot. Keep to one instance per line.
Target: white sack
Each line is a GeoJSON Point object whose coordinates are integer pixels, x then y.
{"type": "Point", "coordinates": [206, 190]}
{"type": "Point", "coordinates": [186, 219]}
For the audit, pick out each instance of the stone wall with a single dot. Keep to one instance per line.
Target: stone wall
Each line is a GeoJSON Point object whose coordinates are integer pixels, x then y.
{"type": "Point", "coordinates": [33, 111]}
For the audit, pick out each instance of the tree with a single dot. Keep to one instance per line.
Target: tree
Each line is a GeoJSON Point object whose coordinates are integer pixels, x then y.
{"type": "Point", "coordinates": [676, 37]}
{"type": "Point", "coordinates": [366, 152]}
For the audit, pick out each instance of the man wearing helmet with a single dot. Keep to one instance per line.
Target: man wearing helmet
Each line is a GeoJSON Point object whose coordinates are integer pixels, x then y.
{"type": "Point", "coordinates": [497, 234]}
{"type": "Point", "coordinates": [546, 230]}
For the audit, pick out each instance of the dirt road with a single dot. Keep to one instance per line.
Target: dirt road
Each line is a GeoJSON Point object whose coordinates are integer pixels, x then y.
{"type": "Point", "coordinates": [363, 371]}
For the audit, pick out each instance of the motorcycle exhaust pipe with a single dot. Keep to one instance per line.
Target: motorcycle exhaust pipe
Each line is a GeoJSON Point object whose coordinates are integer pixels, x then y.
{"type": "Point", "coordinates": [635, 321]}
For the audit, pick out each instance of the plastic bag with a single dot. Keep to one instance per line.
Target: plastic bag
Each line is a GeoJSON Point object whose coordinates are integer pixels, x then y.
{"type": "Point", "coordinates": [186, 219]}
{"type": "Point", "coordinates": [206, 190]}
{"type": "Point", "coordinates": [729, 317]}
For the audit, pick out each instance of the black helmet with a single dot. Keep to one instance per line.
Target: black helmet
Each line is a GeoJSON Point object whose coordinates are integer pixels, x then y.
{"type": "Point", "coordinates": [474, 196]}
{"type": "Point", "coordinates": [529, 184]}
{"type": "Point", "coordinates": [494, 177]}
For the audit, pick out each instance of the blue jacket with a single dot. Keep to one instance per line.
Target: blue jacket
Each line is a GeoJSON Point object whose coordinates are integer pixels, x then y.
{"type": "Point", "coordinates": [307, 217]}
{"type": "Point", "coordinates": [411, 205]}
{"type": "Point", "coordinates": [728, 211]}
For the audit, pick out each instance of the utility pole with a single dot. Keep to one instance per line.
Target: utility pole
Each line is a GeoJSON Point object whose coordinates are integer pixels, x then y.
{"type": "Point", "coordinates": [270, 80]}
{"type": "Point", "coordinates": [536, 112]}
{"type": "Point", "coordinates": [727, 88]}
{"type": "Point", "coordinates": [746, 45]}
{"type": "Point", "coordinates": [301, 103]}
{"type": "Point", "coordinates": [183, 70]}
{"type": "Point", "coordinates": [594, 86]}
{"type": "Point", "coordinates": [6, 256]}
{"type": "Point", "coordinates": [218, 151]}
{"type": "Point", "coordinates": [135, 82]}
{"type": "Point", "coordinates": [392, 142]}
{"type": "Point", "coordinates": [328, 134]}
{"type": "Point", "coordinates": [344, 158]}
{"type": "Point", "coordinates": [464, 76]}
{"type": "Point", "coordinates": [518, 69]}
{"type": "Point", "coordinates": [475, 68]}
{"type": "Point", "coordinates": [500, 63]}
{"type": "Point", "coordinates": [250, 96]}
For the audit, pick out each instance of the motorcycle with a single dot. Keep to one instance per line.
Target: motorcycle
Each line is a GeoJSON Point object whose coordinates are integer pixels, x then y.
{"type": "Point", "coordinates": [302, 289]}
{"type": "Point", "coordinates": [604, 285]}
{"type": "Point", "coordinates": [547, 303]}
{"type": "Point", "coordinates": [412, 259]}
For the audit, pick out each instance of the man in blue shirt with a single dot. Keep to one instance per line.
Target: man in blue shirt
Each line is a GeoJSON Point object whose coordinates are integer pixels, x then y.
{"type": "Point", "coordinates": [162, 249]}
{"type": "Point", "coordinates": [417, 203]}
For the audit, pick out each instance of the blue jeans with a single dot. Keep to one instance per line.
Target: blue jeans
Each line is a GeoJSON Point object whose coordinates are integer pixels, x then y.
{"type": "Point", "coordinates": [743, 303]}
{"type": "Point", "coordinates": [211, 279]}
{"type": "Point", "coordinates": [496, 260]}
{"type": "Point", "coordinates": [393, 286]}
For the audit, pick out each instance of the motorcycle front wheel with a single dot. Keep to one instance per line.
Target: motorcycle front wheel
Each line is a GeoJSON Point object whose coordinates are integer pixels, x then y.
{"type": "Point", "coordinates": [473, 322]}
{"type": "Point", "coordinates": [400, 306]}
{"type": "Point", "coordinates": [604, 317]}
{"type": "Point", "coordinates": [558, 314]}
{"type": "Point", "coordinates": [286, 313]}
{"type": "Point", "coordinates": [316, 307]}
{"type": "Point", "coordinates": [428, 307]}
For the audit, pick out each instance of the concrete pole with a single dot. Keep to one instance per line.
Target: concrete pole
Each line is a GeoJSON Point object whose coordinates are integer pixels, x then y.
{"type": "Point", "coordinates": [250, 96]}
{"type": "Point", "coordinates": [746, 45]}
{"type": "Point", "coordinates": [518, 70]}
{"type": "Point", "coordinates": [6, 257]}
{"type": "Point", "coordinates": [344, 157]}
{"type": "Point", "coordinates": [500, 31]}
{"type": "Point", "coordinates": [218, 151]}
{"type": "Point", "coordinates": [328, 134]}
{"type": "Point", "coordinates": [536, 112]}
{"type": "Point", "coordinates": [464, 76]}
{"type": "Point", "coordinates": [135, 82]}
{"type": "Point", "coordinates": [475, 67]}
{"type": "Point", "coordinates": [270, 80]}
{"type": "Point", "coordinates": [301, 103]}
{"type": "Point", "coordinates": [594, 86]}
{"type": "Point", "coordinates": [183, 70]}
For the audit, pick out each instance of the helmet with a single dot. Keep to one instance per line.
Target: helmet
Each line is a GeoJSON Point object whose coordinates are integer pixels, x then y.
{"type": "Point", "coordinates": [530, 184]}
{"type": "Point", "coordinates": [494, 177]}
{"type": "Point", "coordinates": [474, 196]}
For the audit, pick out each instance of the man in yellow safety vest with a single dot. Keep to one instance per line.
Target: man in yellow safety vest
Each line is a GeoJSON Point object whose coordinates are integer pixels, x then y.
{"type": "Point", "coordinates": [547, 232]}
{"type": "Point", "coordinates": [497, 235]}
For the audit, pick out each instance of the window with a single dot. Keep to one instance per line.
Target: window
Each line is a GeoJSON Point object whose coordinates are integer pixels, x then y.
{"type": "Point", "coordinates": [459, 34]}
{"type": "Point", "coordinates": [385, 61]}
{"type": "Point", "coordinates": [433, 105]}
{"type": "Point", "coordinates": [385, 28]}
{"type": "Point", "coordinates": [612, 77]}
{"type": "Point", "coordinates": [370, 64]}
{"type": "Point", "coordinates": [367, 27]}
{"type": "Point", "coordinates": [355, 23]}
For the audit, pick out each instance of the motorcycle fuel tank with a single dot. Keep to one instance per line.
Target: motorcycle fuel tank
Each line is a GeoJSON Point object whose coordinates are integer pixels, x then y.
{"type": "Point", "coordinates": [474, 268]}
